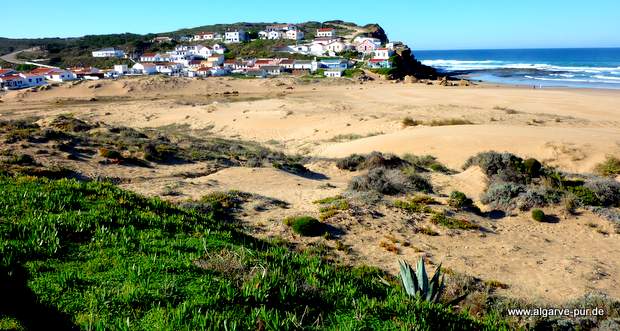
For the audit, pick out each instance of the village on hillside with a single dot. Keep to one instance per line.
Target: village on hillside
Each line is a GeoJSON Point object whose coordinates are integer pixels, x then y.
{"type": "Point", "coordinates": [204, 54]}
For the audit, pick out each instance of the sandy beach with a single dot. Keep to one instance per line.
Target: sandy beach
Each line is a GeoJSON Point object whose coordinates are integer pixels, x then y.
{"type": "Point", "coordinates": [571, 129]}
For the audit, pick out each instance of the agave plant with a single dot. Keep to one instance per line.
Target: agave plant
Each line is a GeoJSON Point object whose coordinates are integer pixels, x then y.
{"type": "Point", "coordinates": [416, 282]}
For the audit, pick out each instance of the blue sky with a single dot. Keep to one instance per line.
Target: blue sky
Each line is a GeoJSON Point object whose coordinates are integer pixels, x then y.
{"type": "Point", "coordinates": [428, 24]}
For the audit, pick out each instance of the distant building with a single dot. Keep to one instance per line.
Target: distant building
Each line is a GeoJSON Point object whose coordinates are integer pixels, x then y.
{"type": "Point", "coordinates": [207, 36]}
{"type": "Point", "coordinates": [334, 64]}
{"type": "Point", "coordinates": [109, 52]}
{"type": "Point", "coordinates": [281, 31]}
{"type": "Point", "coordinates": [235, 36]}
{"type": "Point", "coordinates": [379, 63]}
{"type": "Point", "coordinates": [121, 69]}
{"type": "Point", "coordinates": [367, 46]}
{"type": "Point", "coordinates": [162, 39]}
{"type": "Point", "coordinates": [382, 53]}
{"type": "Point", "coordinates": [7, 72]}
{"type": "Point", "coordinates": [145, 68]}
{"type": "Point", "coordinates": [12, 82]}
{"type": "Point", "coordinates": [333, 73]}
{"type": "Point", "coordinates": [326, 32]}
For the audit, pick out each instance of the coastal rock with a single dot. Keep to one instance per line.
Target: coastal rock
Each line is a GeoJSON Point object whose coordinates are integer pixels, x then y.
{"type": "Point", "coordinates": [410, 80]}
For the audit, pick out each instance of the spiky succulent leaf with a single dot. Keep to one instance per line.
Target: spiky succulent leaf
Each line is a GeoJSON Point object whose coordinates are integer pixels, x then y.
{"type": "Point", "coordinates": [422, 277]}
{"type": "Point", "coordinates": [407, 276]}
{"type": "Point", "coordinates": [435, 286]}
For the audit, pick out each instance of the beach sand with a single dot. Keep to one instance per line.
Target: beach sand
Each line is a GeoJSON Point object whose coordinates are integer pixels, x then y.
{"type": "Point", "coordinates": [571, 129]}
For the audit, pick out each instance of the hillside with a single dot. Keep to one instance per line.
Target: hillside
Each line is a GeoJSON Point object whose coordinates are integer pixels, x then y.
{"type": "Point", "coordinates": [71, 52]}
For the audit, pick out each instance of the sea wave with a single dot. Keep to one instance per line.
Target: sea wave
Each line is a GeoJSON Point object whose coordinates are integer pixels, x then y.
{"type": "Point", "coordinates": [461, 65]}
{"type": "Point", "coordinates": [573, 80]}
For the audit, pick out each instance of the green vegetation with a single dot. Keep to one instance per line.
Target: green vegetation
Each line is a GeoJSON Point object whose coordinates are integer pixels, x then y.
{"type": "Point", "coordinates": [92, 256]}
{"type": "Point", "coordinates": [608, 168]}
{"type": "Point", "coordinates": [428, 163]}
{"type": "Point", "coordinates": [452, 223]}
{"type": "Point", "coordinates": [538, 215]}
{"type": "Point", "coordinates": [459, 200]}
{"type": "Point", "coordinates": [417, 284]}
{"type": "Point", "coordinates": [306, 226]}
{"type": "Point", "coordinates": [412, 206]}
{"type": "Point", "coordinates": [78, 137]}
{"type": "Point", "coordinates": [332, 206]}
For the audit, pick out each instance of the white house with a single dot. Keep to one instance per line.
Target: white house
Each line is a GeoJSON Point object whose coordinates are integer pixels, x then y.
{"type": "Point", "coordinates": [216, 60]}
{"type": "Point", "coordinates": [121, 69]}
{"type": "Point", "coordinates": [33, 79]}
{"type": "Point", "coordinates": [333, 73]}
{"type": "Point", "coordinates": [218, 49]}
{"type": "Point", "coordinates": [305, 65]}
{"type": "Point", "coordinates": [109, 52]}
{"type": "Point", "coordinates": [382, 53]}
{"type": "Point", "coordinates": [272, 70]}
{"type": "Point", "coordinates": [326, 32]}
{"type": "Point", "coordinates": [12, 82]}
{"type": "Point", "coordinates": [145, 68]}
{"type": "Point", "coordinates": [317, 49]}
{"type": "Point", "coordinates": [294, 34]}
{"type": "Point", "coordinates": [263, 34]}
{"type": "Point", "coordinates": [58, 75]}
{"type": "Point", "coordinates": [336, 47]}
{"type": "Point", "coordinates": [276, 34]}
{"type": "Point", "coordinates": [207, 36]}
{"type": "Point", "coordinates": [151, 57]}
{"type": "Point", "coordinates": [162, 39]}
{"type": "Point", "coordinates": [235, 36]}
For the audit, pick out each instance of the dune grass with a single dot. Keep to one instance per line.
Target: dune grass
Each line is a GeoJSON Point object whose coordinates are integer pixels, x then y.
{"type": "Point", "coordinates": [78, 255]}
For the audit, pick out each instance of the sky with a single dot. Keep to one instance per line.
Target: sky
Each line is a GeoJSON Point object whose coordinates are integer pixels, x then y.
{"type": "Point", "coordinates": [422, 24]}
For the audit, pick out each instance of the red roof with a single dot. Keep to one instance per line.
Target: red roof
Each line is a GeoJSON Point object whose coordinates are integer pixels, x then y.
{"type": "Point", "coordinates": [267, 61]}
{"type": "Point", "coordinates": [42, 71]}
{"type": "Point", "coordinates": [287, 61]}
{"type": "Point", "coordinates": [382, 49]}
{"type": "Point", "coordinates": [148, 55]}
{"type": "Point", "coordinates": [11, 77]}
{"type": "Point", "coordinates": [377, 60]}
{"type": "Point", "coordinates": [5, 71]}
{"type": "Point", "coordinates": [325, 29]}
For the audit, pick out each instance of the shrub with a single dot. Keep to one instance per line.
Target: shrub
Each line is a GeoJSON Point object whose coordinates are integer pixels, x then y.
{"type": "Point", "coordinates": [502, 195]}
{"type": "Point", "coordinates": [450, 121]}
{"type": "Point", "coordinates": [21, 159]}
{"type": "Point", "coordinates": [306, 226]}
{"type": "Point", "coordinates": [408, 121]}
{"type": "Point", "coordinates": [585, 196]}
{"type": "Point", "coordinates": [412, 206]}
{"type": "Point", "coordinates": [503, 167]}
{"type": "Point", "coordinates": [390, 182]}
{"type": "Point", "coordinates": [70, 124]}
{"type": "Point", "coordinates": [608, 168]}
{"type": "Point", "coordinates": [538, 215]}
{"type": "Point", "coordinates": [351, 162]}
{"type": "Point", "coordinates": [570, 203]}
{"type": "Point", "coordinates": [532, 167]}
{"type": "Point", "coordinates": [426, 162]}
{"type": "Point", "coordinates": [380, 160]}
{"type": "Point", "coordinates": [110, 154]}
{"type": "Point", "coordinates": [531, 198]}
{"type": "Point", "coordinates": [452, 223]}
{"type": "Point", "coordinates": [607, 191]}
{"type": "Point", "coordinates": [459, 200]}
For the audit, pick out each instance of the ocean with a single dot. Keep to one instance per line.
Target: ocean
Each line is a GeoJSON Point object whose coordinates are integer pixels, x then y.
{"type": "Point", "coordinates": [574, 67]}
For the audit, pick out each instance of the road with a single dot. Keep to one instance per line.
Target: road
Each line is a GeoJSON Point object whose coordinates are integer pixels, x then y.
{"type": "Point", "coordinates": [12, 58]}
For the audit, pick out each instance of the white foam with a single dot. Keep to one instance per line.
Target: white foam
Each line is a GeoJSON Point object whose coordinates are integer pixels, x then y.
{"type": "Point", "coordinates": [459, 65]}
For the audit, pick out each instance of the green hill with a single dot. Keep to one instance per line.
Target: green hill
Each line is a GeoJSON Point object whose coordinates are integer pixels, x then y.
{"type": "Point", "coordinates": [88, 255]}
